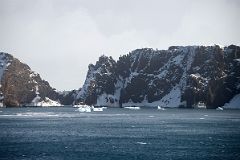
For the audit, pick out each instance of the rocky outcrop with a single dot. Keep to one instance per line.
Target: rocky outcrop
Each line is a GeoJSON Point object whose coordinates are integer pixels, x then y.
{"type": "Point", "coordinates": [20, 85]}
{"type": "Point", "coordinates": [101, 79]}
{"type": "Point", "coordinates": [177, 77]}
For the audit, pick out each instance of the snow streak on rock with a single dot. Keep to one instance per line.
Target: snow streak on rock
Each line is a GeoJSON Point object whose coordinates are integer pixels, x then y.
{"type": "Point", "coordinates": [179, 76]}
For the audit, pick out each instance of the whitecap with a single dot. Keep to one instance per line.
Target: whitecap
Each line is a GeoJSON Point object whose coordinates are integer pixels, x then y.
{"type": "Point", "coordinates": [37, 114]}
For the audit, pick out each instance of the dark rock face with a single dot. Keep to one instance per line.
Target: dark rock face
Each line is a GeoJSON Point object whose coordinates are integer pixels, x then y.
{"type": "Point", "coordinates": [67, 98]}
{"type": "Point", "coordinates": [222, 89]}
{"type": "Point", "coordinates": [101, 78]}
{"type": "Point", "coordinates": [19, 83]}
{"type": "Point", "coordinates": [179, 76]}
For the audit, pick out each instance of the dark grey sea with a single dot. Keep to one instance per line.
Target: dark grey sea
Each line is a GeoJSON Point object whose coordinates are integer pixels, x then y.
{"type": "Point", "coordinates": [63, 133]}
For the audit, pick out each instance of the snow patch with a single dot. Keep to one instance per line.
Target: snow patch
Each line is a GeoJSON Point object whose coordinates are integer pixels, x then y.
{"type": "Point", "coordinates": [196, 76]}
{"type": "Point", "coordinates": [47, 102]}
{"type": "Point", "coordinates": [238, 60]}
{"type": "Point", "coordinates": [234, 103]}
{"type": "Point", "coordinates": [32, 74]}
{"type": "Point", "coordinates": [196, 68]}
{"type": "Point", "coordinates": [172, 99]}
{"type": "Point", "coordinates": [178, 59]}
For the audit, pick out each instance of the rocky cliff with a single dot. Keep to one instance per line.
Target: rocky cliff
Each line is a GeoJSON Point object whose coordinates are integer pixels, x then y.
{"type": "Point", "coordinates": [177, 77]}
{"type": "Point", "coordinates": [21, 86]}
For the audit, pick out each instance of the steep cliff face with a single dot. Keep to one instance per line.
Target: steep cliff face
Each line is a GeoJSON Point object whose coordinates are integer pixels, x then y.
{"type": "Point", "coordinates": [101, 79]}
{"type": "Point", "coordinates": [20, 85]}
{"type": "Point", "coordinates": [177, 77]}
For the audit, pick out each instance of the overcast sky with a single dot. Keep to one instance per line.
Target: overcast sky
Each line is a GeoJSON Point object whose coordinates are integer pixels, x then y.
{"type": "Point", "coordinates": [59, 38]}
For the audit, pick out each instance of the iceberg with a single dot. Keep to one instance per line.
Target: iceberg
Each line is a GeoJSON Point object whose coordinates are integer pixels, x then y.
{"type": "Point", "coordinates": [97, 109]}
{"type": "Point", "coordinates": [160, 108]}
{"type": "Point", "coordinates": [83, 108]}
{"type": "Point", "coordinates": [219, 108]}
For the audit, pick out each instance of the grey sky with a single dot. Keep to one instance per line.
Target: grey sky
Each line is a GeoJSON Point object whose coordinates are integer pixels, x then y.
{"type": "Point", "coordinates": [59, 38]}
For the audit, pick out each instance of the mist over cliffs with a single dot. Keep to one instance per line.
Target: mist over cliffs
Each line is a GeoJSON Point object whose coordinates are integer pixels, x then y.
{"type": "Point", "coordinates": [181, 76]}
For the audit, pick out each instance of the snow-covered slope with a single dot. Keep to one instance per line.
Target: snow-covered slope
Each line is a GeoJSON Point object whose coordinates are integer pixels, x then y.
{"type": "Point", "coordinates": [179, 76]}
{"type": "Point", "coordinates": [100, 81]}
{"type": "Point", "coordinates": [46, 102]}
{"type": "Point", "coordinates": [234, 102]}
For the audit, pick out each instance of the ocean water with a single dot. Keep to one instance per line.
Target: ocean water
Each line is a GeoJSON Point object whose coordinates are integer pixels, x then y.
{"type": "Point", "coordinates": [63, 133]}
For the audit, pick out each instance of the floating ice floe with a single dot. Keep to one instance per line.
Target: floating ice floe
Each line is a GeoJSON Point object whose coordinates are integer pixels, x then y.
{"type": "Point", "coordinates": [141, 143]}
{"type": "Point", "coordinates": [219, 108]}
{"type": "Point", "coordinates": [201, 105]}
{"type": "Point", "coordinates": [97, 109]}
{"type": "Point", "coordinates": [86, 108]}
{"type": "Point", "coordinates": [83, 108]}
{"type": "Point", "coordinates": [133, 108]}
{"type": "Point", "coordinates": [160, 108]}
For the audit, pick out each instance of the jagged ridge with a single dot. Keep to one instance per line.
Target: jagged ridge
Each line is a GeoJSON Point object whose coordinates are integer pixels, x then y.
{"type": "Point", "coordinates": [179, 76]}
